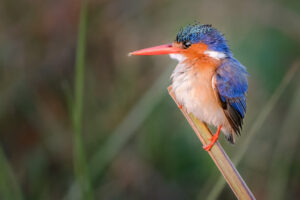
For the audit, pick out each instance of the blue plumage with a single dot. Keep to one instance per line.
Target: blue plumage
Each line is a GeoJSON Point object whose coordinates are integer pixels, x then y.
{"type": "Point", "coordinates": [206, 34]}
{"type": "Point", "coordinates": [232, 84]}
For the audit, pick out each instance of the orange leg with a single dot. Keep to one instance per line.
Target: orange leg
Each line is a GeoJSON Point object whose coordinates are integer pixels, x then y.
{"type": "Point", "coordinates": [213, 140]}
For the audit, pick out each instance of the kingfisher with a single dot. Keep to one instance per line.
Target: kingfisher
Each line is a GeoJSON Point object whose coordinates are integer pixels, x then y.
{"type": "Point", "coordinates": [207, 81]}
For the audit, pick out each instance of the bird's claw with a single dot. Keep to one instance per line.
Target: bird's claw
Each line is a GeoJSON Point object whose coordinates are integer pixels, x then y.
{"type": "Point", "coordinates": [208, 146]}
{"type": "Point", "coordinates": [212, 140]}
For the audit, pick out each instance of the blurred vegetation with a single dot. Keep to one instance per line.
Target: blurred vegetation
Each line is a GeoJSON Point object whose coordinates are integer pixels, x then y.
{"type": "Point", "coordinates": [136, 142]}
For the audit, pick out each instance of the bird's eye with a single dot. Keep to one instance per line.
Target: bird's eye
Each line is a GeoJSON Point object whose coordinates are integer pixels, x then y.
{"type": "Point", "coordinates": [187, 44]}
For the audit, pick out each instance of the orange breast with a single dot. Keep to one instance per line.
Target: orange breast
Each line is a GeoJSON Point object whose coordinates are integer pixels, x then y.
{"type": "Point", "coordinates": [196, 58]}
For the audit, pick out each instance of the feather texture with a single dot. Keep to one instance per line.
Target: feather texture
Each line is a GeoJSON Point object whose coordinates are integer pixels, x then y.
{"type": "Point", "coordinates": [231, 85]}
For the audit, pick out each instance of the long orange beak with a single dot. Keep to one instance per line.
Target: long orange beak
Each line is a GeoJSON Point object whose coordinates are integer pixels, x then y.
{"type": "Point", "coordinates": [157, 50]}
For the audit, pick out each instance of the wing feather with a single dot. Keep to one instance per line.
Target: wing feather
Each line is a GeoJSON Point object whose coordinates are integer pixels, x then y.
{"type": "Point", "coordinates": [231, 85]}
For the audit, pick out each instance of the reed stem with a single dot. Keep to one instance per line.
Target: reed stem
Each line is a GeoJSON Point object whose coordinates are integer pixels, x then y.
{"type": "Point", "coordinates": [81, 169]}
{"type": "Point", "coordinates": [218, 155]}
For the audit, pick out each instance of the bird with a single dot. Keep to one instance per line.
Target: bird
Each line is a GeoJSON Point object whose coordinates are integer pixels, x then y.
{"type": "Point", "coordinates": [207, 81]}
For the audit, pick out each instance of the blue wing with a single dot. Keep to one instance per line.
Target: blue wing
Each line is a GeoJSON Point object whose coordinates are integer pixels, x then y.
{"type": "Point", "coordinates": [232, 85]}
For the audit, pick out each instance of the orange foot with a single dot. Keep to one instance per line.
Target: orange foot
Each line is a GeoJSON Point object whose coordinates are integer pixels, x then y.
{"type": "Point", "coordinates": [180, 106]}
{"type": "Point", "coordinates": [213, 140]}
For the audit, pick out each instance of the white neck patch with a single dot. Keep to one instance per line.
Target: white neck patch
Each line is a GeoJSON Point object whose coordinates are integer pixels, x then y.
{"type": "Point", "coordinates": [215, 54]}
{"type": "Point", "coordinates": [178, 57]}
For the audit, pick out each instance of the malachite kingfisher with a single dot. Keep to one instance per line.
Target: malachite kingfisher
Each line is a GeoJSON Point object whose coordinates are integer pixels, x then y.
{"type": "Point", "coordinates": [207, 81]}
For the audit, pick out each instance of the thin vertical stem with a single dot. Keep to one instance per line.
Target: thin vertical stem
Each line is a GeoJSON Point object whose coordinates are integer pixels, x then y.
{"type": "Point", "coordinates": [80, 164]}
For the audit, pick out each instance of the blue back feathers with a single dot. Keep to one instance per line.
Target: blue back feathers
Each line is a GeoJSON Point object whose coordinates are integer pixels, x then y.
{"type": "Point", "coordinates": [205, 34]}
{"type": "Point", "coordinates": [232, 84]}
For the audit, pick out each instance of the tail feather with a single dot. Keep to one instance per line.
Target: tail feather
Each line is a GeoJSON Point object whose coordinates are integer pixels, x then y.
{"type": "Point", "coordinates": [230, 137]}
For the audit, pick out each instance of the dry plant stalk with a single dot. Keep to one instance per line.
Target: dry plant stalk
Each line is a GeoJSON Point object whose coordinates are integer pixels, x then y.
{"type": "Point", "coordinates": [217, 153]}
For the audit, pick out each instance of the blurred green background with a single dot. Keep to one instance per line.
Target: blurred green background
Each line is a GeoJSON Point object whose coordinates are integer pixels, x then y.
{"type": "Point", "coordinates": [136, 143]}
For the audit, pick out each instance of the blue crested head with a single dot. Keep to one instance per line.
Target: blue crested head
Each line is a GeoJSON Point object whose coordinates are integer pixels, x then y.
{"type": "Point", "coordinates": [197, 33]}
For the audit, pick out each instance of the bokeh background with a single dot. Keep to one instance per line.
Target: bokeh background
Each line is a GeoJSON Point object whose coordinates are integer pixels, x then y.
{"type": "Point", "coordinates": [137, 144]}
